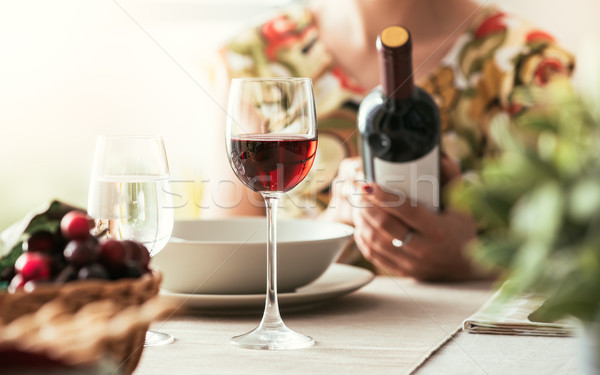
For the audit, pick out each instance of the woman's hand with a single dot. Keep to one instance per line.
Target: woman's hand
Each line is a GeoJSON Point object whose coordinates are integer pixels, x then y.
{"type": "Point", "coordinates": [433, 243]}
{"type": "Point", "coordinates": [349, 175]}
{"type": "Point", "coordinates": [411, 240]}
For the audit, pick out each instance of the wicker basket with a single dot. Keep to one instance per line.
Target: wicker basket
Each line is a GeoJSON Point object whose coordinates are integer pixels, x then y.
{"type": "Point", "coordinates": [83, 322]}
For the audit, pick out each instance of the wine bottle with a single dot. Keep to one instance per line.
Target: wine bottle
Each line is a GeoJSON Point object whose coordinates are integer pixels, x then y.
{"type": "Point", "coordinates": [399, 125]}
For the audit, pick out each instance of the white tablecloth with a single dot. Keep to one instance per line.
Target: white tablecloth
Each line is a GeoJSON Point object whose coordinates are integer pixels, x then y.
{"type": "Point", "coordinates": [482, 354]}
{"type": "Point", "coordinates": [390, 326]}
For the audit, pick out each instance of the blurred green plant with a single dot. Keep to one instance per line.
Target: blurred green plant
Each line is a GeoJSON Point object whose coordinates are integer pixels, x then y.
{"type": "Point", "coordinates": [539, 204]}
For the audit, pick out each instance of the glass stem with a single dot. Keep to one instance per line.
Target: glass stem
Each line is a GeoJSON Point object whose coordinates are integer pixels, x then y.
{"type": "Point", "coordinates": [271, 317]}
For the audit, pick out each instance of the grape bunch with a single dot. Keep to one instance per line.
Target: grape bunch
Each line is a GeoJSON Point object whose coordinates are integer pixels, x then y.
{"type": "Point", "coordinates": [74, 254]}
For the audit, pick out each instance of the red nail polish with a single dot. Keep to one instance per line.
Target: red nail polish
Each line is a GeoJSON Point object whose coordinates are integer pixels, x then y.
{"type": "Point", "coordinates": [368, 189]}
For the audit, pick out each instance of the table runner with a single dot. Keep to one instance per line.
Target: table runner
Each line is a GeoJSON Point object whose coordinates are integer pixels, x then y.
{"type": "Point", "coordinates": [387, 327]}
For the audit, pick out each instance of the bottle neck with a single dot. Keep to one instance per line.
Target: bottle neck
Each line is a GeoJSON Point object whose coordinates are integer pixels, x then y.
{"type": "Point", "coordinates": [396, 74]}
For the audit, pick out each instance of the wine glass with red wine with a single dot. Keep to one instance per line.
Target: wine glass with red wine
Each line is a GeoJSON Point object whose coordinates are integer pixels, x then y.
{"type": "Point", "coordinates": [271, 144]}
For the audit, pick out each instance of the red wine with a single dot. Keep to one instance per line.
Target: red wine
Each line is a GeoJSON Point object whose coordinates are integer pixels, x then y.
{"type": "Point", "coordinates": [272, 162]}
{"type": "Point", "coordinates": [399, 125]}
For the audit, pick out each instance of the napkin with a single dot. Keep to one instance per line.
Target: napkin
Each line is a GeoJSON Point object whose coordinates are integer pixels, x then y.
{"type": "Point", "coordinates": [512, 318]}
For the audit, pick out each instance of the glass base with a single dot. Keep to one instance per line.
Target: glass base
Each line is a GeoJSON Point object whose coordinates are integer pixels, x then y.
{"type": "Point", "coordinates": [279, 338]}
{"type": "Point", "coordinates": [154, 338]}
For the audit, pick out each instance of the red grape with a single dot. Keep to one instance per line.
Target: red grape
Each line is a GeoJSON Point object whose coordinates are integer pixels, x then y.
{"type": "Point", "coordinates": [76, 225]}
{"type": "Point", "coordinates": [93, 271]}
{"type": "Point", "coordinates": [137, 252]}
{"type": "Point", "coordinates": [33, 266]}
{"type": "Point", "coordinates": [16, 283]}
{"type": "Point", "coordinates": [113, 255]}
{"type": "Point", "coordinates": [81, 252]}
{"type": "Point", "coordinates": [41, 241]}
{"type": "Point", "coordinates": [133, 269]}
{"type": "Point", "coordinates": [32, 285]}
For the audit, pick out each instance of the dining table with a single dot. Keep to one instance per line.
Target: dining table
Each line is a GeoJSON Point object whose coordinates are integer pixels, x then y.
{"type": "Point", "coordinates": [391, 325]}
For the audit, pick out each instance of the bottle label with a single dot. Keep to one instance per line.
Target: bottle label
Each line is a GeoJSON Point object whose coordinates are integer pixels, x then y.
{"type": "Point", "coordinates": [414, 181]}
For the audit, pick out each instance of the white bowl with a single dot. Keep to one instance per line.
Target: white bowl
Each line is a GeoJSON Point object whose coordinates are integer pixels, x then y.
{"type": "Point", "coordinates": [229, 256]}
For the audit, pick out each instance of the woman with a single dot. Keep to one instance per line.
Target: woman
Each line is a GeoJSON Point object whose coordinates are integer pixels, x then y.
{"type": "Point", "coordinates": [473, 60]}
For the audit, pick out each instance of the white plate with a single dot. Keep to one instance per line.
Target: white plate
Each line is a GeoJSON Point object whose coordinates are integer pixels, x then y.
{"type": "Point", "coordinates": [339, 279]}
{"type": "Point", "coordinates": [227, 256]}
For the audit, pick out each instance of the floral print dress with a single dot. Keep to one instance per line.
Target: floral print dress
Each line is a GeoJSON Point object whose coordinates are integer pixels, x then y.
{"type": "Point", "coordinates": [482, 75]}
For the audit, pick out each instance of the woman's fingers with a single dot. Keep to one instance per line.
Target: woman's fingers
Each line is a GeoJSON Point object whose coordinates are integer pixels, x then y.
{"type": "Point", "coordinates": [433, 251]}
{"type": "Point", "coordinates": [415, 216]}
{"type": "Point", "coordinates": [340, 205]}
{"type": "Point", "coordinates": [377, 245]}
{"type": "Point", "coordinates": [379, 218]}
{"type": "Point", "coordinates": [378, 258]}
{"type": "Point", "coordinates": [350, 168]}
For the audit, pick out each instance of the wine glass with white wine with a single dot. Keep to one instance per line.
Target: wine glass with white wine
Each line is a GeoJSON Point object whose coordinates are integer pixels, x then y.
{"type": "Point", "coordinates": [129, 199]}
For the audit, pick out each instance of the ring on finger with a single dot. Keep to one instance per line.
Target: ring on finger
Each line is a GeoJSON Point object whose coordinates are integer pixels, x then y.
{"type": "Point", "coordinates": [396, 242]}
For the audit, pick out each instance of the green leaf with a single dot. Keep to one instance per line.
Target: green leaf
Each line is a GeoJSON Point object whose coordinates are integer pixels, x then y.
{"type": "Point", "coordinates": [538, 215]}
{"type": "Point", "coordinates": [12, 256]}
{"type": "Point", "coordinates": [496, 249]}
{"type": "Point", "coordinates": [500, 133]}
{"type": "Point", "coordinates": [547, 145]}
{"type": "Point", "coordinates": [571, 298]}
{"type": "Point", "coordinates": [528, 263]}
{"type": "Point", "coordinates": [584, 199]}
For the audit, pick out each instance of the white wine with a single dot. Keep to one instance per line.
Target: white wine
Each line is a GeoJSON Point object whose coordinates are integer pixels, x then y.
{"type": "Point", "coordinates": [133, 207]}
